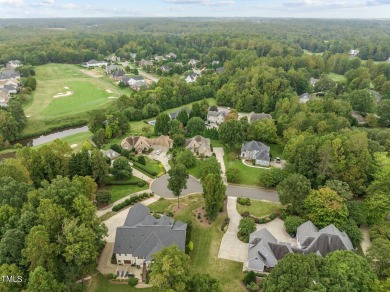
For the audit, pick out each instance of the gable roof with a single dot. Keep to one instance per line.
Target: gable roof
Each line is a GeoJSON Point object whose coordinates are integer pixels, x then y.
{"type": "Point", "coordinates": [142, 235]}
{"type": "Point", "coordinates": [258, 117]}
{"type": "Point", "coordinates": [254, 146]}
{"type": "Point", "coordinates": [217, 114]}
{"type": "Point", "coordinates": [199, 144]}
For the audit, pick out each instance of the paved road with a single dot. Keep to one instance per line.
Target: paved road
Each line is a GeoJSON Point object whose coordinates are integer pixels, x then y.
{"type": "Point", "coordinates": [159, 187]}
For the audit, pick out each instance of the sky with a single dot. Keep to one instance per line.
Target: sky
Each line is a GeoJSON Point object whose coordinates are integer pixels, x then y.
{"type": "Point", "coordinates": [195, 8]}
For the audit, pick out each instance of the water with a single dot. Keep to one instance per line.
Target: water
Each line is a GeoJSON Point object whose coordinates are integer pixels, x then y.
{"type": "Point", "coordinates": [50, 137]}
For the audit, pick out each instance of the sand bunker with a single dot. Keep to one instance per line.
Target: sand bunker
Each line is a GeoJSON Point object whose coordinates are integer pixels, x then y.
{"type": "Point", "coordinates": [66, 87]}
{"type": "Point", "coordinates": [73, 146]}
{"type": "Point", "coordinates": [112, 97]}
{"type": "Point", "coordinates": [68, 93]}
{"type": "Point", "coordinates": [29, 116]}
{"type": "Point", "coordinates": [108, 91]}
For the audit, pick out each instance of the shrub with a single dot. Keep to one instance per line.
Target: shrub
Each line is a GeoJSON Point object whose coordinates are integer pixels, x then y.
{"type": "Point", "coordinates": [244, 201]}
{"type": "Point", "coordinates": [247, 226]}
{"type": "Point", "coordinates": [116, 148]}
{"type": "Point", "coordinates": [141, 160]}
{"type": "Point", "coordinates": [131, 201]}
{"type": "Point", "coordinates": [233, 175]}
{"type": "Point", "coordinates": [272, 177]}
{"type": "Point", "coordinates": [103, 197]}
{"type": "Point", "coordinates": [113, 259]}
{"type": "Point", "coordinates": [133, 282]}
{"type": "Point", "coordinates": [272, 216]}
{"type": "Point", "coordinates": [249, 278]}
{"type": "Point", "coordinates": [190, 245]}
{"type": "Point", "coordinates": [291, 223]}
{"type": "Point", "coordinates": [245, 214]}
{"type": "Point", "coordinates": [353, 231]}
{"type": "Point", "coordinates": [252, 287]}
{"type": "Point", "coordinates": [141, 184]}
{"type": "Point", "coordinates": [188, 232]}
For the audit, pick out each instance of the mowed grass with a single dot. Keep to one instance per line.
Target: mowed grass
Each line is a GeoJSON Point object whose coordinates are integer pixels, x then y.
{"type": "Point", "coordinates": [161, 206]}
{"type": "Point", "coordinates": [260, 208]}
{"type": "Point", "coordinates": [100, 284]}
{"type": "Point", "coordinates": [337, 77]}
{"type": "Point", "coordinates": [76, 139]}
{"type": "Point", "coordinates": [119, 192]}
{"type": "Point", "coordinates": [88, 93]}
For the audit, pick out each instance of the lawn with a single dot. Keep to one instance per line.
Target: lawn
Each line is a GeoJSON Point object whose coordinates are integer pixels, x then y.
{"type": "Point", "coordinates": [88, 93]}
{"type": "Point", "coordinates": [337, 77]}
{"type": "Point", "coordinates": [216, 143]}
{"type": "Point", "coordinates": [118, 192]}
{"type": "Point", "coordinates": [276, 150]}
{"type": "Point", "coordinates": [100, 284]}
{"type": "Point", "coordinates": [193, 170]}
{"type": "Point", "coordinates": [250, 175]}
{"type": "Point", "coordinates": [260, 208]}
{"type": "Point", "coordinates": [162, 205]}
{"type": "Point", "coordinates": [307, 52]}
{"type": "Point", "coordinates": [73, 139]}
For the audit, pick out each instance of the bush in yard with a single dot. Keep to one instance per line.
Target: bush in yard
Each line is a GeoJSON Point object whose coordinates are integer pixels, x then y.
{"type": "Point", "coordinates": [244, 201]}
{"type": "Point", "coordinates": [233, 175]}
{"type": "Point", "coordinates": [103, 197]}
{"type": "Point", "coordinates": [141, 184]}
{"type": "Point", "coordinates": [186, 157]}
{"type": "Point", "coordinates": [247, 226]}
{"type": "Point", "coordinates": [132, 282]}
{"type": "Point", "coordinates": [121, 168]}
{"type": "Point", "coordinates": [249, 278]}
{"type": "Point", "coordinates": [116, 148]}
{"type": "Point", "coordinates": [272, 177]}
{"type": "Point", "coordinates": [141, 160]}
{"type": "Point", "coordinates": [253, 287]}
{"type": "Point", "coordinates": [190, 245]}
{"type": "Point", "coordinates": [292, 222]}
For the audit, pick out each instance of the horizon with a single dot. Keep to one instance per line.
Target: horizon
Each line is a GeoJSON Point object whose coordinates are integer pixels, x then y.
{"type": "Point", "coordinates": [295, 9]}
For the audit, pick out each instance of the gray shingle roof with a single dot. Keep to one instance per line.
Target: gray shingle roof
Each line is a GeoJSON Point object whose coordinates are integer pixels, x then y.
{"type": "Point", "coordinates": [142, 235]}
{"type": "Point", "coordinates": [258, 117]}
{"type": "Point", "coordinates": [261, 149]}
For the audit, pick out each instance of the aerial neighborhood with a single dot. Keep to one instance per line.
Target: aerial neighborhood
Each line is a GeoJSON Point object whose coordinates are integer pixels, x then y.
{"type": "Point", "coordinates": [194, 154]}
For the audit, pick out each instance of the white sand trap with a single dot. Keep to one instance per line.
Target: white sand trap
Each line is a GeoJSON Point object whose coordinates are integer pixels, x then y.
{"type": "Point", "coordinates": [112, 97]}
{"type": "Point", "coordinates": [29, 116]}
{"type": "Point", "coordinates": [108, 91]}
{"type": "Point", "coordinates": [73, 146]}
{"type": "Point", "coordinates": [66, 87]}
{"type": "Point", "coordinates": [68, 93]}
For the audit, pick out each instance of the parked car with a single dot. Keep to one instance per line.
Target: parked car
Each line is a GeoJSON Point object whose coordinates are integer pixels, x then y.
{"type": "Point", "coordinates": [278, 160]}
{"type": "Point", "coordinates": [158, 152]}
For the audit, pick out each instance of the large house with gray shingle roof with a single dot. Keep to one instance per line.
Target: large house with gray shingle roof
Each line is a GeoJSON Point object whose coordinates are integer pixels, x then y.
{"type": "Point", "coordinates": [255, 150]}
{"type": "Point", "coordinates": [142, 235]}
{"type": "Point", "coordinates": [265, 252]}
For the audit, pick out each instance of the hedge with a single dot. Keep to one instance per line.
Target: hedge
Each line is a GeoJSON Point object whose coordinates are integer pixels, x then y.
{"type": "Point", "coordinates": [131, 201]}
{"type": "Point", "coordinates": [144, 168]}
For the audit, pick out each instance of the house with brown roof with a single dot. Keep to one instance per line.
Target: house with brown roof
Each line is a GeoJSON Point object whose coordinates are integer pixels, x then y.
{"type": "Point", "coordinates": [258, 117]}
{"type": "Point", "coordinates": [199, 145]}
{"type": "Point", "coordinates": [140, 143]}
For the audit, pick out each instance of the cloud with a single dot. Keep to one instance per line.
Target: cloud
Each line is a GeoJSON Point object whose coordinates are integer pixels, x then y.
{"type": "Point", "coordinates": [202, 2]}
{"type": "Point", "coordinates": [16, 3]}
{"type": "Point", "coordinates": [69, 6]}
{"type": "Point", "coordinates": [48, 2]}
{"type": "Point", "coordinates": [378, 2]}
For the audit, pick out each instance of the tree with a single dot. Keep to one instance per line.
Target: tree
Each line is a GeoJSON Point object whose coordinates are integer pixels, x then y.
{"type": "Point", "coordinates": [214, 191]}
{"type": "Point", "coordinates": [16, 272]}
{"type": "Point", "coordinates": [346, 271]}
{"type": "Point", "coordinates": [182, 117]}
{"type": "Point", "coordinates": [198, 110]}
{"type": "Point", "coordinates": [384, 112]}
{"type": "Point", "coordinates": [340, 187]}
{"type": "Point", "coordinates": [295, 273]}
{"type": "Point", "coordinates": [11, 246]}
{"type": "Point", "coordinates": [234, 174]}
{"type": "Point", "coordinates": [377, 207]}
{"type": "Point", "coordinates": [162, 124]}
{"type": "Point", "coordinates": [246, 227]}
{"type": "Point", "coordinates": [208, 166]}
{"type": "Point", "coordinates": [12, 192]}
{"type": "Point", "coordinates": [179, 140]}
{"type": "Point", "coordinates": [293, 190]}
{"type": "Point", "coordinates": [354, 233]}
{"type": "Point", "coordinates": [178, 176]}
{"type": "Point", "coordinates": [230, 133]}
{"type": "Point", "coordinates": [325, 206]}
{"type": "Point", "coordinates": [378, 255]}
{"type": "Point", "coordinates": [175, 127]}
{"type": "Point", "coordinates": [170, 269]}
{"type": "Point", "coordinates": [43, 281]}
{"type": "Point", "coordinates": [264, 131]}
{"type": "Point", "coordinates": [292, 223]}
{"type": "Point", "coordinates": [195, 126]}
{"type": "Point", "coordinates": [357, 212]}
{"type": "Point", "coordinates": [272, 177]}
{"type": "Point", "coordinates": [103, 197]}
{"type": "Point", "coordinates": [100, 168]}
{"type": "Point", "coordinates": [362, 101]}
{"type": "Point", "coordinates": [202, 283]}
{"type": "Point", "coordinates": [121, 168]}
{"type": "Point", "coordinates": [186, 157]}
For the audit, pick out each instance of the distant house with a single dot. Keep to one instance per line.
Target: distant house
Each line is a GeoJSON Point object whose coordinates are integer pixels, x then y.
{"type": "Point", "coordinates": [138, 84]}
{"type": "Point", "coordinates": [388, 60]}
{"type": "Point", "coordinates": [133, 55]}
{"type": "Point", "coordinates": [140, 143]}
{"type": "Point", "coordinates": [199, 145]}
{"type": "Point", "coordinates": [145, 63]}
{"type": "Point", "coordinates": [192, 77]}
{"type": "Point", "coordinates": [4, 98]}
{"type": "Point", "coordinates": [171, 56]}
{"type": "Point", "coordinates": [165, 68]}
{"type": "Point", "coordinates": [94, 63]}
{"type": "Point", "coordinates": [216, 117]}
{"type": "Point", "coordinates": [304, 98]}
{"type": "Point", "coordinates": [111, 68]}
{"type": "Point", "coordinates": [159, 58]}
{"type": "Point", "coordinates": [359, 118]}
{"type": "Point", "coordinates": [376, 94]}
{"type": "Point", "coordinates": [219, 70]}
{"type": "Point", "coordinates": [112, 58]}
{"type": "Point", "coordinates": [215, 62]}
{"type": "Point", "coordinates": [110, 154]}
{"type": "Point", "coordinates": [10, 88]}
{"type": "Point", "coordinates": [142, 235]}
{"type": "Point", "coordinates": [313, 81]}
{"type": "Point", "coordinates": [255, 150]}
{"type": "Point", "coordinates": [264, 251]}
{"type": "Point", "coordinates": [353, 53]}
{"type": "Point", "coordinates": [10, 75]}
{"type": "Point", "coordinates": [174, 114]}
{"type": "Point", "coordinates": [13, 64]}
{"type": "Point", "coordinates": [134, 79]}
{"type": "Point", "coordinates": [193, 62]}
{"type": "Point", "coordinates": [117, 74]}
{"type": "Point", "coordinates": [252, 117]}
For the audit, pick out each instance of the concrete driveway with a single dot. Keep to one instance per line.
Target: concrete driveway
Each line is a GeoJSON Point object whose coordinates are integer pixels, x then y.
{"type": "Point", "coordinates": [231, 247]}
{"type": "Point", "coordinates": [162, 157]}
{"type": "Point", "coordinates": [160, 187]}
{"type": "Point", "coordinates": [219, 153]}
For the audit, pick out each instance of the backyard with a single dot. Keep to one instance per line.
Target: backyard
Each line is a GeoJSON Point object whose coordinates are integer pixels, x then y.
{"type": "Point", "coordinates": [120, 191]}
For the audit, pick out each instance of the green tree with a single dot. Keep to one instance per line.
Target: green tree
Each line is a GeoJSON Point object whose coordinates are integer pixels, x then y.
{"type": "Point", "coordinates": [162, 124]}
{"type": "Point", "coordinates": [12, 192]}
{"type": "Point", "coordinates": [378, 254]}
{"type": "Point", "coordinates": [246, 227]}
{"type": "Point", "coordinates": [11, 246]}
{"type": "Point", "coordinates": [186, 157]}
{"type": "Point", "coordinates": [362, 101]}
{"type": "Point", "coordinates": [377, 207]}
{"type": "Point", "coordinates": [214, 191]}
{"type": "Point", "coordinates": [43, 281]}
{"type": "Point", "coordinates": [292, 223]}
{"type": "Point", "coordinates": [170, 269]}
{"type": "Point", "coordinates": [346, 271]}
{"type": "Point", "coordinates": [264, 131]}
{"type": "Point", "coordinates": [230, 133]}
{"type": "Point", "coordinates": [179, 140]}
{"type": "Point", "coordinates": [121, 168]}
{"type": "Point", "coordinates": [11, 270]}
{"type": "Point", "coordinates": [202, 283]}
{"type": "Point", "coordinates": [295, 273]}
{"type": "Point", "coordinates": [195, 126]}
{"type": "Point", "coordinates": [293, 190]}
{"type": "Point", "coordinates": [175, 127]}
{"type": "Point", "coordinates": [208, 166]}
{"type": "Point", "coordinates": [384, 112]}
{"type": "Point", "coordinates": [340, 187]}
{"type": "Point", "coordinates": [354, 233]}
{"type": "Point", "coordinates": [178, 176]}
{"type": "Point", "coordinates": [233, 174]}
{"type": "Point", "coordinates": [100, 168]}
{"type": "Point", "coordinates": [182, 117]}
{"type": "Point", "coordinates": [325, 206]}
{"type": "Point", "coordinates": [272, 177]}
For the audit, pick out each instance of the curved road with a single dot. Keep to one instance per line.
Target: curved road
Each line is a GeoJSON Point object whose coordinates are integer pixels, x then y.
{"type": "Point", "coordinates": [159, 187]}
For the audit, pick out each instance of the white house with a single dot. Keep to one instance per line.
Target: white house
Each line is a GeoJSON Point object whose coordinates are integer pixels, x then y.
{"type": "Point", "coordinates": [171, 56]}
{"type": "Point", "coordinates": [304, 98]}
{"type": "Point", "coordinates": [353, 53]}
{"type": "Point", "coordinates": [192, 77]}
{"type": "Point", "coordinates": [193, 62]}
{"type": "Point", "coordinates": [94, 63]}
{"type": "Point", "coordinates": [216, 117]}
{"type": "Point", "coordinates": [142, 235]}
{"type": "Point", "coordinates": [255, 150]}
{"type": "Point", "coordinates": [14, 64]}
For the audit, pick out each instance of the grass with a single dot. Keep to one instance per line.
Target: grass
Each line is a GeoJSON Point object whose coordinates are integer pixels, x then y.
{"type": "Point", "coordinates": [307, 52]}
{"type": "Point", "coordinates": [161, 205]}
{"type": "Point", "coordinates": [260, 208]}
{"type": "Point", "coordinates": [250, 175]}
{"type": "Point", "coordinates": [276, 150]}
{"type": "Point", "coordinates": [154, 165]}
{"type": "Point", "coordinates": [73, 139]}
{"type": "Point", "coordinates": [119, 192]}
{"type": "Point", "coordinates": [337, 77]}
{"type": "Point", "coordinates": [216, 143]}
{"type": "Point", "coordinates": [100, 284]}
